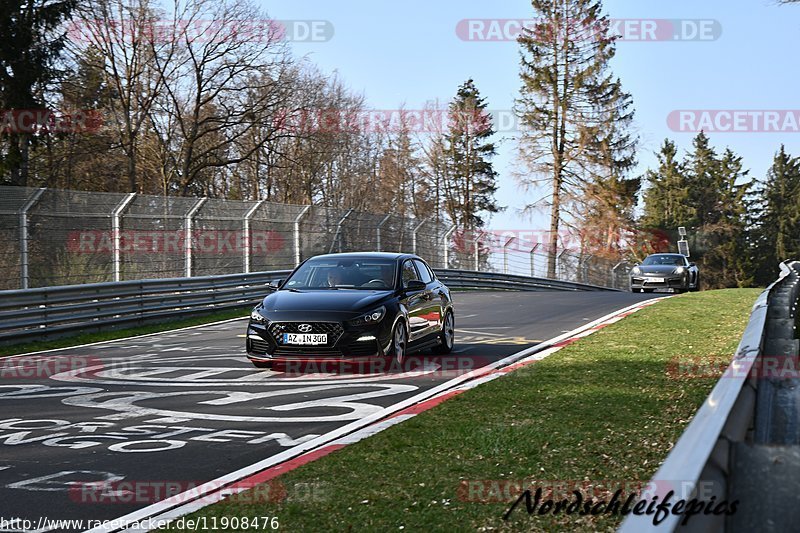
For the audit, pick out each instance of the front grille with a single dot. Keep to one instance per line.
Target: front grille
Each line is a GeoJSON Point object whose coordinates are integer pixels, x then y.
{"type": "Point", "coordinates": [334, 330]}
{"type": "Point", "coordinates": [258, 346]}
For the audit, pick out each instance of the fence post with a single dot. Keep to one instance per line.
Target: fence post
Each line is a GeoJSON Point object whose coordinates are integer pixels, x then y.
{"type": "Point", "coordinates": [505, 254]}
{"type": "Point", "coordinates": [446, 245]}
{"type": "Point", "coordinates": [414, 236]}
{"type": "Point", "coordinates": [297, 234]}
{"type": "Point", "coordinates": [533, 259]}
{"type": "Point", "coordinates": [585, 268]}
{"type": "Point", "coordinates": [378, 232]}
{"type": "Point", "coordinates": [614, 274]}
{"type": "Point", "coordinates": [337, 235]}
{"type": "Point", "coordinates": [559, 274]}
{"type": "Point", "coordinates": [188, 234]}
{"type": "Point", "coordinates": [124, 203]}
{"type": "Point", "coordinates": [246, 237]}
{"type": "Point", "coordinates": [23, 236]}
{"type": "Point", "coordinates": [476, 250]}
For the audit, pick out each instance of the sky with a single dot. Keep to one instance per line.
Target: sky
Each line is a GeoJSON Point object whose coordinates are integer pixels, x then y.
{"type": "Point", "coordinates": [720, 62]}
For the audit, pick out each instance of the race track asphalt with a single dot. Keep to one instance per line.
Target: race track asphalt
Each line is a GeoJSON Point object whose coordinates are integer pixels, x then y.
{"type": "Point", "coordinates": [98, 431]}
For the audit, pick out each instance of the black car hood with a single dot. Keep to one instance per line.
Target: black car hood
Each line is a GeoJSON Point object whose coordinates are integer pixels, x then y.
{"type": "Point", "coordinates": [342, 300]}
{"type": "Point", "coordinates": [657, 269]}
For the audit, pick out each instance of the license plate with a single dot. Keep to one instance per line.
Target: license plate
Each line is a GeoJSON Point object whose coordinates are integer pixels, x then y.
{"type": "Point", "coordinates": [656, 280]}
{"type": "Point", "coordinates": [305, 338]}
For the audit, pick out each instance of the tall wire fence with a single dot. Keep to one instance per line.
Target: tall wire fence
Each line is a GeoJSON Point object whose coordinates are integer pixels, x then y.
{"type": "Point", "coordinates": [60, 237]}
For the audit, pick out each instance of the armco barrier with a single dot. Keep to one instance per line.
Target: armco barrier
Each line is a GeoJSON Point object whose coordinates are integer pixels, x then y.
{"type": "Point", "coordinates": [52, 312]}
{"type": "Point", "coordinates": [720, 457]}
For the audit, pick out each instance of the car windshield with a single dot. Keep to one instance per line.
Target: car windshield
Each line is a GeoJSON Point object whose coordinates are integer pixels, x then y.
{"type": "Point", "coordinates": [344, 273]}
{"type": "Point", "coordinates": [669, 260]}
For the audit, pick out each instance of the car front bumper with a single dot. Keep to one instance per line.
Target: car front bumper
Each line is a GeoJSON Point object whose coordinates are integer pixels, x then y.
{"type": "Point", "coordinates": [264, 341]}
{"type": "Point", "coordinates": [679, 281]}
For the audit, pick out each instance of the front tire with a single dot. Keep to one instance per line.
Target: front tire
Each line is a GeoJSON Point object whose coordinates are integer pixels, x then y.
{"type": "Point", "coordinates": [399, 343]}
{"type": "Point", "coordinates": [696, 285]}
{"type": "Point", "coordinates": [448, 335]}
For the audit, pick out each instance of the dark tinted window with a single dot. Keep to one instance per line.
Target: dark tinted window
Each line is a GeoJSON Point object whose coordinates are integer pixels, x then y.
{"type": "Point", "coordinates": [345, 273]}
{"type": "Point", "coordinates": [409, 272]}
{"type": "Point", "coordinates": [666, 260]}
{"type": "Point", "coordinates": [424, 274]}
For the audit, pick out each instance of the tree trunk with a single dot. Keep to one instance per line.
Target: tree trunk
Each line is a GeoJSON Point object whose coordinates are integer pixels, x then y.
{"type": "Point", "coordinates": [554, 222]}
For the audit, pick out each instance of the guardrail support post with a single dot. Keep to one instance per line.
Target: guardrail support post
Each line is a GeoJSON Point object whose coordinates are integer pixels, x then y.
{"type": "Point", "coordinates": [23, 236]}
{"type": "Point", "coordinates": [188, 234]}
{"type": "Point", "coordinates": [446, 245]}
{"type": "Point", "coordinates": [297, 234]}
{"type": "Point", "coordinates": [414, 236]}
{"type": "Point", "coordinates": [378, 232]}
{"type": "Point", "coordinates": [115, 229]}
{"type": "Point", "coordinates": [247, 241]}
{"type": "Point", "coordinates": [505, 254]}
{"type": "Point", "coordinates": [337, 235]}
{"type": "Point", "coordinates": [533, 259]}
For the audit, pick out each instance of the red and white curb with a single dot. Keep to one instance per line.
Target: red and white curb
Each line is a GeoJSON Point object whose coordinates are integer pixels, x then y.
{"type": "Point", "coordinates": [281, 463]}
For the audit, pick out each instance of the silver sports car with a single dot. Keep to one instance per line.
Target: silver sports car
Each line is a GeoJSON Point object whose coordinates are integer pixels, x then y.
{"type": "Point", "coordinates": [672, 272]}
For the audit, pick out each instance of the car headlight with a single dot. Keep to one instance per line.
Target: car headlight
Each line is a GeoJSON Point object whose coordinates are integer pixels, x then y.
{"type": "Point", "coordinates": [373, 317]}
{"type": "Point", "coordinates": [258, 317]}
{"type": "Point", "coordinates": [636, 270]}
{"type": "Point", "coordinates": [680, 270]}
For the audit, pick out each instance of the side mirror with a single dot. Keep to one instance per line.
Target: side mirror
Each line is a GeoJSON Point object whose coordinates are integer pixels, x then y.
{"type": "Point", "coordinates": [275, 283]}
{"type": "Point", "coordinates": [692, 264]}
{"type": "Point", "coordinates": [415, 285]}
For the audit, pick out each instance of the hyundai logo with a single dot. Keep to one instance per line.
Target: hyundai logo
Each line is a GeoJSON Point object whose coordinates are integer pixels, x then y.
{"type": "Point", "coordinates": [304, 328]}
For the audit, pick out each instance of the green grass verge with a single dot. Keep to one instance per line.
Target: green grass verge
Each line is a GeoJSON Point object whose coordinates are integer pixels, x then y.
{"type": "Point", "coordinates": [605, 408]}
{"type": "Point", "coordinates": [87, 338]}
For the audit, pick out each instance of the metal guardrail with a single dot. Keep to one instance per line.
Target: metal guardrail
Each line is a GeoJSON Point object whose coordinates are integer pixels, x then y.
{"type": "Point", "coordinates": [52, 312]}
{"type": "Point", "coordinates": [471, 279]}
{"type": "Point", "coordinates": [700, 465]}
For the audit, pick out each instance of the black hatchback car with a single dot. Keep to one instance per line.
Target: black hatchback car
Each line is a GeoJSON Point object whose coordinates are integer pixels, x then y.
{"type": "Point", "coordinates": [353, 305]}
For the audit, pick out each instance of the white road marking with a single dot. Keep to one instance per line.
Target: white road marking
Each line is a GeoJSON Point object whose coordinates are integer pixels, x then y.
{"type": "Point", "coordinates": [126, 406]}
{"type": "Point", "coordinates": [458, 330]}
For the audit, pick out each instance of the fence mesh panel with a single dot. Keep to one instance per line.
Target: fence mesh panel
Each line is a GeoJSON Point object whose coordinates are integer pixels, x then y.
{"type": "Point", "coordinates": [59, 237]}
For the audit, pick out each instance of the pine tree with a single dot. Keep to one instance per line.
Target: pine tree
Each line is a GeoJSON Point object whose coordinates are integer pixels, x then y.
{"type": "Point", "coordinates": [666, 200]}
{"type": "Point", "coordinates": [724, 236]}
{"type": "Point", "coordinates": [711, 196]}
{"type": "Point", "coordinates": [606, 213]}
{"type": "Point", "coordinates": [30, 46]}
{"type": "Point", "coordinates": [701, 170]}
{"type": "Point", "coordinates": [776, 236]}
{"type": "Point", "coordinates": [471, 182]}
{"type": "Point", "coordinates": [566, 94]}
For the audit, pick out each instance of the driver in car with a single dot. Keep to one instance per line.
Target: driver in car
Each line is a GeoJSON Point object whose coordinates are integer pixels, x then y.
{"type": "Point", "coordinates": [334, 277]}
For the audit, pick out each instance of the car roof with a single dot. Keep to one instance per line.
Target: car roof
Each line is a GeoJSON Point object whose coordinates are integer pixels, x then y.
{"type": "Point", "coordinates": [373, 255]}
{"type": "Point", "coordinates": [667, 253]}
